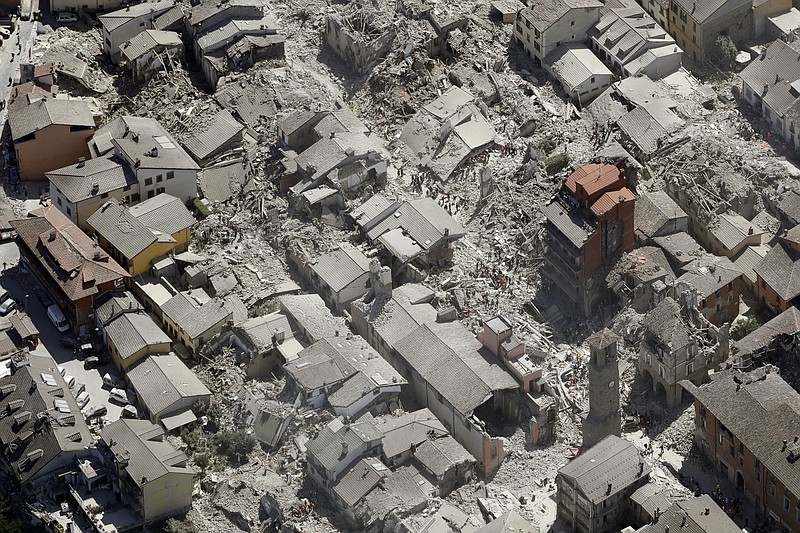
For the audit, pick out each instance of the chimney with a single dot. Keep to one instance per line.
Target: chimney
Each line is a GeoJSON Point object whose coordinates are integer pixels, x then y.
{"type": "Point", "coordinates": [95, 188]}
{"type": "Point", "coordinates": [344, 449]}
{"type": "Point", "coordinates": [785, 444]}
{"type": "Point", "coordinates": [750, 231]}
{"type": "Point", "coordinates": [81, 162]}
{"type": "Point", "coordinates": [135, 137]}
{"type": "Point", "coordinates": [52, 236]}
{"type": "Point", "coordinates": [608, 490]}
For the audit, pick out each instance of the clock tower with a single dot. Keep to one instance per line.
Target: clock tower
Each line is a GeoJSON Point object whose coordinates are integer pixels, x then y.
{"type": "Point", "coordinates": [603, 418]}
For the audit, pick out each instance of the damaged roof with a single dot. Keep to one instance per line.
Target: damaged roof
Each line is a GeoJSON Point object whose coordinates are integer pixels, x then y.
{"type": "Point", "coordinates": [786, 323]}
{"type": "Point", "coordinates": [665, 323]}
{"type": "Point", "coordinates": [216, 135]}
{"type": "Point", "coordinates": [326, 447]}
{"type": "Point", "coordinates": [149, 40]}
{"type": "Point", "coordinates": [423, 220]}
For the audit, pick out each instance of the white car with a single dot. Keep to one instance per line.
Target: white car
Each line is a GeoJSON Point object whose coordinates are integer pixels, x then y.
{"type": "Point", "coordinates": [119, 396]}
{"type": "Point", "coordinates": [113, 381]}
{"type": "Point", "coordinates": [82, 399]}
{"type": "Point", "coordinates": [66, 16]}
{"type": "Point", "coordinates": [7, 306]}
{"type": "Point", "coordinates": [69, 380]}
{"type": "Point", "coordinates": [62, 370]}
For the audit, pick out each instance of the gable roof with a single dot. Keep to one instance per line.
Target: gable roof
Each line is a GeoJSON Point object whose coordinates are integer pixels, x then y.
{"type": "Point", "coordinates": [115, 19]}
{"type": "Point", "coordinates": [790, 204]}
{"type": "Point", "coordinates": [400, 432]}
{"type": "Point", "coordinates": [26, 119]}
{"type": "Point", "coordinates": [665, 323]}
{"type": "Point", "coordinates": [703, 10]}
{"type": "Point", "coordinates": [164, 381]}
{"type": "Point", "coordinates": [110, 304]}
{"type": "Point", "coordinates": [732, 229]}
{"type": "Point", "coordinates": [362, 478]}
{"type": "Point", "coordinates": [613, 462]}
{"type": "Point", "coordinates": [780, 269]}
{"type": "Point", "coordinates": [144, 140]}
{"type": "Point", "coordinates": [70, 257]}
{"type": "Point", "coordinates": [326, 447]}
{"type": "Point", "coordinates": [709, 273]}
{"type": "Point", "coordinates": [761, 410]}
{"type": "Point", "coordinates": [137, 444]}
{"type": "Point", "coordinates": [786, 323]}
{"type": "Point", "coordinates": [31, 390]}
{"type": "Point", "coordinates": [544, 13]}
{"type": "Point", "coordinates": [115, 223]}
{"type": "Point", "coordinates": [574, 64]}
{"type": "Point", "coordinates": [509, 522]}
{"type": "Point", "coordinates": [423, 220]}
{"type": "Point", "coordinates": [593, 178]}
{"type": "Point", "coordinates": [776, 69]}
{"type": "Point", "coordinates": [77, 182]}
{"type": "Point", "coordinates": [341, 267]}
{"type": "Point", "coordinates": [163, 212]}
{"type": "Point", "coordinates": [192, 317]}
{"type": "Point", "coordinates": [628, 33]}
{"type": "Point", "coordinates": [653, 211]}
{"type": "Point", "coordinates": [148, 40]}
{"type": "Point", "coordinates": [222, 129]}
{"type": "Point", "coordinates": [132, 332]}
{"type": "Point", "coordinates": [448, 358]}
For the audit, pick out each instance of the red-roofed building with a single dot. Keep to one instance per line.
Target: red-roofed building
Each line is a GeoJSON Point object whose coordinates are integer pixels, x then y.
{"type": "Point", "coordinates": [588, 225]}
{"type": "Point", "coordinates": [67, 262]}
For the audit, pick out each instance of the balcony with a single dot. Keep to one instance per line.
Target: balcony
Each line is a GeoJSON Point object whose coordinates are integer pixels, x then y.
{"type": "Point", "coordinates": [567, 286]}
{"type": "Point", "coordinates": [573, 262]}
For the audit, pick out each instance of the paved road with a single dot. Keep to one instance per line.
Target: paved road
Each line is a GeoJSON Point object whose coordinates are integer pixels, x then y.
{"type": "Point", "coordinates": [20, 284]}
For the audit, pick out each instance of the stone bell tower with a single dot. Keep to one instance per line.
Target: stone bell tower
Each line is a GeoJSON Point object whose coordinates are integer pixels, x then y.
{"type": "Point", "coordinates": [603, 418]}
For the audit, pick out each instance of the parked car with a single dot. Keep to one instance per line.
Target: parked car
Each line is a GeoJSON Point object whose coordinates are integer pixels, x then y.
{"type": "Point", "coordinates": [119, 396]}
{"type": "Point", "coordinates": [70, 380]}
{"type": "Point", "coordinates": [66, 17]}
{"type": "Point", "coordinates": [95, 411]}
{"type": "Point", "coordinates": [77, 388]}
{"type": "Point", "coordinates": [129, 411]}
{"type": "Point", "coordinates": [62, 370]}
{"type": "Point", "coordinates": [56, 316]}
{"type": "Point", "coordinates": [88, 349]}
{"type": "Point", "coordinates": [113, 381]}
{"type": "Point", "coordinates": [7, 306]}
{"type": "Point", "coordinates": [82, 399]}
{"type": "Point", "coordinates": [44, 298]}
{"type": "Point", "coordinates": [91, 362]}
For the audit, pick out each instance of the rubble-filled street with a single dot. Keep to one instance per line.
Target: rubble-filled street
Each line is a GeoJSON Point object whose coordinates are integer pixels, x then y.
{"type": "Point", "coordinates": [400, 267]}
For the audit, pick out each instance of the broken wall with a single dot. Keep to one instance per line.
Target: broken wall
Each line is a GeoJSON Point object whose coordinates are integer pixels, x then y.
{"type": "Point", "coordinates": [358, 40]}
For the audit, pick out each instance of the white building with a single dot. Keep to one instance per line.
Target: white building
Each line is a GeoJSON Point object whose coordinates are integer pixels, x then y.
{"type": "Point", "coordinates": [124, 24]}
{"type": "Point", "coordinates": [546, 24]}
{"type": "Point", "coordinates": [581, 73]}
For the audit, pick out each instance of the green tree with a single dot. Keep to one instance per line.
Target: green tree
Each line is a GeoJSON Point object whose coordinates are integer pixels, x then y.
{"type": "Point", "coordinates": [743, 328]}
{"type": "Point", "coordinates": [202, 461]}
{"type": "Point", "coordinates": [234, 445]}
{"type": "Point", "coordinates": [727, 50]}
{"type": "Point", "coordinates": [8, 522]}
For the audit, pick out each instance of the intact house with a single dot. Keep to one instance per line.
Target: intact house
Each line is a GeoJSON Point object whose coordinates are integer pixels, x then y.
{"type": "Point", "coordinates": [134, 244]}
{"type": "Point", "coordinates": [48, 133]}
{"type": "Point", "coordinates": [788, 208]}
{"type": "Point", "coordinates": [544, 25]}
{"type": "Point", "coordinates": [593, 488]}
{"type": "Point", "coordinates": [151, 476]}
{"type": "Point", "coordinates": [673, 350]}
{"type": "Point", "coordinates": [777, 287]}
{"type": "Point", "coordinates": [778, 337]}
{"type": "Point", "coordinates": [771, 86]}
{"type": "Point", "coordinates": [131, 335]}
{"type": "Point", "coordinates": [73, 269]}
{"type": "Point", "coordinates": [415, 236]}
{"type": "Point", "coordinates": [44, 432]}
{"type": "Point", "coordinates": [154, 156]}
{"type": "Point", "coordinates": [341, 275]}
{"type": "Point", "coordinates": [658, 215]}
{"type": "Point", "coordinates": [122, 25]}
{"type": "Point", "coordinates": [167, 390]}
{"type": "Point", "coordinates": [589, 224]}
{"type": "Point", "coordinates": [234, 35]}
{"type": "Point", "coordinates": [307, 314]}
{"type": "Point", "coordinates": [151, 52]}
{"type": "Point", "coordinates": [79, 189]}
{"type": "Point", "coordinates": [77, 6]}
{"type": "Point", "coordinates": [193, 318]}
{"type": "Point", "coordinates": [762, 464]}
{"type": "Point", "coordinates": [347, 374]}
{"type": "Point", "coordinates": [581, 73]}
{"type": "Point", "coordinates": [447, 369]}
{"type": "Point", "coordinates": [730, 233]}
{"type": "Point", "coordinates": [634, 44]}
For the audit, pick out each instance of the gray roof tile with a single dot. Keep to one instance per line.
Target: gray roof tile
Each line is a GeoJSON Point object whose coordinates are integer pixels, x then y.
{"type": "Point", "coordinates": [163, 383]}
{"type": "Point", "coordinates": [341, 267]}
{"type": "Point", "coordinates": [164, 213]}
{"type": "Point", "coordinates": [76, 182]}
{"type": "Point", "coordinates": [26, 119]}
{"type": "Point", "coordinates": [119, 227]}
{"type": "Point", "coordinates": [149, 40]}
{"type": "Point", "coordinates": [780, 269]}
{"type": "Point", "coordinates": [131, 332]}
{"type": "Point", "coordinates": [115, 19]}
{"type": "Point", "coordinates": [222, 129]}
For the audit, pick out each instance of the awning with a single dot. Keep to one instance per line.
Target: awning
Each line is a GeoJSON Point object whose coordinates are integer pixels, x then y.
{"type": "Point", "coordinates": [178, 420]}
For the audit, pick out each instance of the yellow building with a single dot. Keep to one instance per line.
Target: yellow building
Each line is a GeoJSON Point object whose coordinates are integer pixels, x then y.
{"type": "Point", "coordinates": [151, 476]}
{"type": "Point", "coordinates": [137, 236]}
{"type": "Point", "coordinates": [132, 336]}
